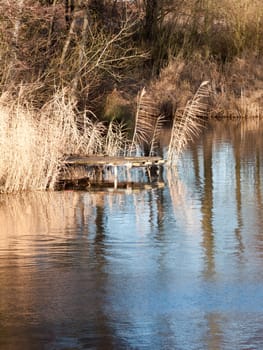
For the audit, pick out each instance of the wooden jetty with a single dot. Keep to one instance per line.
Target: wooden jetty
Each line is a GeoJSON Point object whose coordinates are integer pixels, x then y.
{"type": "Point", "coordinates": [99, 163]}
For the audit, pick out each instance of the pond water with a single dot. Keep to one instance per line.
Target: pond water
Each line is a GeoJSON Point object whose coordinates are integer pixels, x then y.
{"type": "Point", "coordinates": [174, 267]}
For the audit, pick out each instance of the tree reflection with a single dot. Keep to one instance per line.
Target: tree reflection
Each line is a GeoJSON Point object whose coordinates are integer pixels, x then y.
{"type": "Point", "coordinates": [258, 195]}
{"type": "Point", "coordinates": [238, 196]}
{"type": "Point", "coordinates": [214, 336]}
{"type": "Point", "coordinates": [196, 165]}
{"type": "Point", "coordinates": [207, 208]}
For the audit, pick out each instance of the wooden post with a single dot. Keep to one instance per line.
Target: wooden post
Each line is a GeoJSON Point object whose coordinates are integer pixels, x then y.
{"type": "Point", "coordinates": [115, 177]}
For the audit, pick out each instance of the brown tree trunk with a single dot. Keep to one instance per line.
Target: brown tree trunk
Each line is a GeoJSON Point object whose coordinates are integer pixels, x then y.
{"type": "Point", "coordinates": [151, 18]}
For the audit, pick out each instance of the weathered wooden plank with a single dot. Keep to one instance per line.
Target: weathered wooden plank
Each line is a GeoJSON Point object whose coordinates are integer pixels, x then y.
{"type": "Point", "coordinates": [114, 161]}
{"type": "Point", "coordinates": [85, 184]}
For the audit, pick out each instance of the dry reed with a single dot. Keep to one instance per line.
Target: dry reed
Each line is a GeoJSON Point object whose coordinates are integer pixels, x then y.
{"type": "Point", "coordinates": [147, 125]}
{"type": "Point", "coordinates": [31, 149]}
{"type": "Point", "coordinates": [188, 124]}
{"type": "Point", "coordinates": [34, 143]}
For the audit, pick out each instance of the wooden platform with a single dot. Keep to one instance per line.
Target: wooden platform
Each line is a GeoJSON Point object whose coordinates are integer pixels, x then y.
{"type": "Point", "coordinates": [102, 165]}
{"type": "Point", "coordinates": [114, 161]}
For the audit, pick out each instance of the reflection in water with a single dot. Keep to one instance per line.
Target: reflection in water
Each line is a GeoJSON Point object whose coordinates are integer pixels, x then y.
{"type": "Point", "coordinates": [214, 332]}
{"type": "Point", "coordinates": [238, 230]}
{"type": "Point", "coordinates": [207, 208]}
{"type": "Point", "coordinates": [178, 267]}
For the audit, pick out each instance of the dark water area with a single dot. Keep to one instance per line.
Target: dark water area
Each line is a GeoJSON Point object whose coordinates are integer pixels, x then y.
{"type": "Point", "coordinates": [177, 267]}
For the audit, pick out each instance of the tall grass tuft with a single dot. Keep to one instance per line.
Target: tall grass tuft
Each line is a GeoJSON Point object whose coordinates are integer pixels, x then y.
{"type": "Point", "coordinates": [188, 124]}
{"type": "Point", "coordinates": [30, 150]}
{"type": "Point", "coordinates": [117, 141]}
{"type": "Point", "coordinates": [147, 123]}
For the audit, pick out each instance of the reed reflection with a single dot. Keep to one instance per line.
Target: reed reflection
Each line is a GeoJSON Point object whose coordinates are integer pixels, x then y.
{"type": "Point", "coordinates": [182, 202]}
{"type": "Point", "coordinates": [238, 230]}
{"type": "Point", "coordinates": [53, 271]}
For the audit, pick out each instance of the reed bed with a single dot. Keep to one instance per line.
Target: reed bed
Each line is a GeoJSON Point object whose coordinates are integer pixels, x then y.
{"type": "Point", "coordinates": [31, 149]}
{"type": "Point", "coordinates": [34, 142]}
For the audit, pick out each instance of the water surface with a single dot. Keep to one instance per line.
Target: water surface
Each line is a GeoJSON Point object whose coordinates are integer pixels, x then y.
{"type": "Point", "coordinates": [178, 267]}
